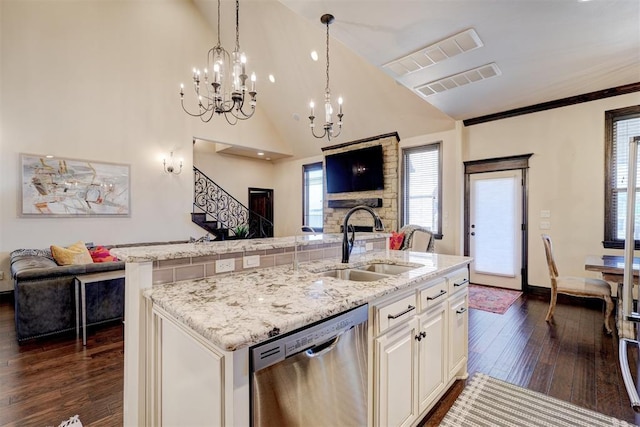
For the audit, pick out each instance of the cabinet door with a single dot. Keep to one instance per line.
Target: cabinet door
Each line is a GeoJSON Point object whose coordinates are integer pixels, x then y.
{"type": "Point", "coordinates": [191, 386]}
{"type": "Point", "coordinates": [396, 372]}
{"type": "Point", "coordinates": [432, 362]}
{"type": "Point", "coordinates": [458, 334]}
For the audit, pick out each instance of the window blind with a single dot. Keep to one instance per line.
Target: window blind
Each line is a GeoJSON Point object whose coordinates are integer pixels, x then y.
{"type": "Point", "coordinates": [421, 192]}
{"type": "Point", "coordinates": [621, 125]}
{"type": "Point", "coordinates": [624, 128]}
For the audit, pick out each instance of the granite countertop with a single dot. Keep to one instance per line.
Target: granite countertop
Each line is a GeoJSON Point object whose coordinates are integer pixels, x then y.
{"type": "Point", "coordinates": [245, 308]}
{"type": "Point", "coordinates": [185, 250]}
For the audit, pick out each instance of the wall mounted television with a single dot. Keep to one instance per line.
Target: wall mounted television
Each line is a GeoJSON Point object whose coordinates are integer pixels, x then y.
{"type": "Point", "coordinates": [355, 170]}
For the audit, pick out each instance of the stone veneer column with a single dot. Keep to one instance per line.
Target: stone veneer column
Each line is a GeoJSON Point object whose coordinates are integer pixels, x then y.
{"type": "Point", "coordinates": [333, 217]}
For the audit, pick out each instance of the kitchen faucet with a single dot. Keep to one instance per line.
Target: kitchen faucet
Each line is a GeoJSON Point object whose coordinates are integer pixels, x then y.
{"type": "Point", "coordinates": [347, 244]}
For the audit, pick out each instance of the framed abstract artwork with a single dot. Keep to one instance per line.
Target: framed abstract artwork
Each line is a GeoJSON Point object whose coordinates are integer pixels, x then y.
{"type": "Point", "coordinates": [62, 187]}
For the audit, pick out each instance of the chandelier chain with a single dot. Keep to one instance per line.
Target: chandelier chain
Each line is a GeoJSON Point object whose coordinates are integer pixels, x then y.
{"type": "Point", "coordinates": [237, 25]}
{"type": "Point", "coordinates": [327, 88]}
{"type": "Point", "coordinates": [218, 45]}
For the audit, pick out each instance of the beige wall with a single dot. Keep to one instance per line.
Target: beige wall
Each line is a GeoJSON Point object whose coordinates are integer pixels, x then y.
{"type": "Point", "coordinates": [288, 195]}
{"type": "Point", "coordinates": [452, 172]}
{"type": "Point", "coordinates": [234, 174]}
{"type": "Point", "coordinates": [566, 177]}
{"type": "Point", "coordinates": [99, 81]}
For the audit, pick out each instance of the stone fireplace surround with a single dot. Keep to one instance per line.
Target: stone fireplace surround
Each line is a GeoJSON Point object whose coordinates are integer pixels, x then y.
{"type": "Point", "coordinates": [384, 202]}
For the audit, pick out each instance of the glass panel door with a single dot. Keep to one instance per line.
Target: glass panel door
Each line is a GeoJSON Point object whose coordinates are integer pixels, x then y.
{"type": "Point", "coordinates": [495, 228]}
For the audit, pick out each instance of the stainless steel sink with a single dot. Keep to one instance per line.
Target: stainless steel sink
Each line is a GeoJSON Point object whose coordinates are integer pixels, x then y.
{"type": "Point", "coordinates": [354, 274]}
{"type": "Point", "coordinates": [384, 268]}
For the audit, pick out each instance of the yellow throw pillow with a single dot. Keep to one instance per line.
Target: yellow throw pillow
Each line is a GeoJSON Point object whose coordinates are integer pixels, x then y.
{"type": "Point", "coordinates": [74, 254]}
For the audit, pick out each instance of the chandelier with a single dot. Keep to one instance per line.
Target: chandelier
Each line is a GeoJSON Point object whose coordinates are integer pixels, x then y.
{"type": "Point", "coordinates": [221, 88]}
{"type": "Point", "coordinates": [328, 109]}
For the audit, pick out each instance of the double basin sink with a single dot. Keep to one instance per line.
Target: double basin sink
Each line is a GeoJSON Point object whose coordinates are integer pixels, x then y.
{"type": "Point", "coordinates": [368, 272]}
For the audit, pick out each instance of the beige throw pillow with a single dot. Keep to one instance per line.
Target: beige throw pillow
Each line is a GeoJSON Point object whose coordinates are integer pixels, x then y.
{"type": "Point", "coordinates": [74, 254]}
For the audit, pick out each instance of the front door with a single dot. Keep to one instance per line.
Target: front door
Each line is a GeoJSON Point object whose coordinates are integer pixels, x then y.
{"type": "Point", "coordinates": [495, 234]}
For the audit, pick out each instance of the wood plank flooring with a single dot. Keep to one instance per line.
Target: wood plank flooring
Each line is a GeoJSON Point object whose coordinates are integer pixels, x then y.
{"type": "Point", "coordinates": [46, 381]}
{"type": "Point", "coordinates": [570, 359]}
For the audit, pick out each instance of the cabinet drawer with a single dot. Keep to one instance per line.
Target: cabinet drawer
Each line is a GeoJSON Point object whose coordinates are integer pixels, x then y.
{"type": "Point", "coordinates": [395, 312]}
{"type": "Point", "coordinates": [435, 293]}
{"type": "Point", "coordinates": [458, 280]}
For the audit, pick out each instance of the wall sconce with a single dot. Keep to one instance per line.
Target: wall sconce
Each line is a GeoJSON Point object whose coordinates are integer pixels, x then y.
{"type": "Point", "coordinates": [170, 168]}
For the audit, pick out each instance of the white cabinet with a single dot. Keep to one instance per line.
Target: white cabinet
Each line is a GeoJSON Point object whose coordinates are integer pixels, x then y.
{"type": "Point", "coordinates": [420, 348]}
{"type": "Point", "coordinates": [188, 389]}
{"type": "Point", "coordinates": [458, 318]}
{"type": "Point", "coordinates": [432, 363]}
{"type": "Point", "coordinates": [395, 380]}
{"type": "Point", "coordinates": [458, 335]}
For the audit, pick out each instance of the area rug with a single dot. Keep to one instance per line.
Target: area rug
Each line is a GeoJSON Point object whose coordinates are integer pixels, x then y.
{"type": "Point", "coordinates": [488, 298]}
{"type": "Point", "coordinates": [486, 401]}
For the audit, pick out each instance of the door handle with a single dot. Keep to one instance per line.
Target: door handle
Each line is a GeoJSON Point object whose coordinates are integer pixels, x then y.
{"type": "Point", "coordinates": [473, 233]}
{"type": "Point", "coordinates": [420, 336]}
{"type": "Point", "coordinates": [461, 310]}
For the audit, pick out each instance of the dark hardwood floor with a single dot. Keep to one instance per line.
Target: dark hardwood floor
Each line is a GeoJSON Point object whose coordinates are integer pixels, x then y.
{"type": "Point", "coordinates": [570, 359]}
{"type": "Point", "coordinates": [46, 381]}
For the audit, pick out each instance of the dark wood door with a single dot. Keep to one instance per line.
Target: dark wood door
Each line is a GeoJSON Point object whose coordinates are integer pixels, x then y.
{"type": "Point", "coordinates": [261, 212]}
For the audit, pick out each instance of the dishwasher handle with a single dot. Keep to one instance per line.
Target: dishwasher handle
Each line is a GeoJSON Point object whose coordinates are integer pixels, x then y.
{"type": "Point", "coordinates": [325, 347]}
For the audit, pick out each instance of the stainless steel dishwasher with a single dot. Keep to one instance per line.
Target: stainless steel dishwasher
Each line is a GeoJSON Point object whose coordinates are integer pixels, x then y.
{"type": "Point", "coordinates": [315, 376]}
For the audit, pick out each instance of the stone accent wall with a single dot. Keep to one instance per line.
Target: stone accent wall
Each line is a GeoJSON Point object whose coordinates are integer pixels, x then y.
{"type": "Point", "coordinates": [333, 217]}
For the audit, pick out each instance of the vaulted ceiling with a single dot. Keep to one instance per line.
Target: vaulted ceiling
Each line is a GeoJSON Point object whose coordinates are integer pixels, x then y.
{"type": "Point", "coordinates": [524, 52]}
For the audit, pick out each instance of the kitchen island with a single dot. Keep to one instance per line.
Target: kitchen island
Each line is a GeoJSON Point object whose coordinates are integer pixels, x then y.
{"type": "Point", "coordinates": [187, 341]}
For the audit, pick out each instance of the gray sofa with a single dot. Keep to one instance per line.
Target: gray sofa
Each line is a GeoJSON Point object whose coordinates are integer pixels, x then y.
{"type": "Point", "coordinates": [44, 293]}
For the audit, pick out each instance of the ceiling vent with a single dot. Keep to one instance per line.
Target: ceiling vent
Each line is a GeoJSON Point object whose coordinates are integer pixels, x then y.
{"type": "Point", "coordinates": [437, 52]}
{"type": "Point", "coordinates": [471, 76]}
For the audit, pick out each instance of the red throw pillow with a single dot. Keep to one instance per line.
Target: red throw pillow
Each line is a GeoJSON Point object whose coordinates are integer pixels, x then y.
{"type": "Point", "coordinates": [101, 254]}
{"type": "Point", "coordinates": [395, 241]}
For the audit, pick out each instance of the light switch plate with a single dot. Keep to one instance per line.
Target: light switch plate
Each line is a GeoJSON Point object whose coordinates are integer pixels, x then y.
{"type": "Point", "coordinates": [225, 265]}
{"type": "Point", "coordinates": [545, 214]}
{"type": "Point", "coordinates": [251, 261]}
{"type": "Point", "coordinates": [368, 247]}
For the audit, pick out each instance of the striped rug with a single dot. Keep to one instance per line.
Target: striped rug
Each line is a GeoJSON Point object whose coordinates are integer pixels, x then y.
{"type": "Point", "coordinates": [486, 401]}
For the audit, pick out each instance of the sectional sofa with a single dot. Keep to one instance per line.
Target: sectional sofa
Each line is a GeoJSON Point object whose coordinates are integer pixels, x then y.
{"type": "Point", "coordinates": [44, 293]}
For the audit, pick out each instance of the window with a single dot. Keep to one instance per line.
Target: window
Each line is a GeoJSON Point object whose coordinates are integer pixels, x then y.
{"type": "Point", "coordinates": [620, 126]}
{"type": "Point", "coordinates": [421, 191]}
{"type": "Point", "coordinates": [312, 196]}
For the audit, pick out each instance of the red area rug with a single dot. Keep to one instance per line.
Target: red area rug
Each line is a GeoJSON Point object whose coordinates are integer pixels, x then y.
{"type": "Point", "coordinates": [488, 298]}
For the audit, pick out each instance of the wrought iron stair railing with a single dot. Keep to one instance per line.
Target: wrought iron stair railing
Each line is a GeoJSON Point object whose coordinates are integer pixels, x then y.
{"type": "Point", "coordinates": [223, 215]}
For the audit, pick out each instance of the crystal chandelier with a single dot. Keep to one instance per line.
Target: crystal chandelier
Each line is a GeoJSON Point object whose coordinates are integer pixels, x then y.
{"type": "Point", "coordinates": [221, 88]}
{"type": "Point", "coordinates": [328, 109]}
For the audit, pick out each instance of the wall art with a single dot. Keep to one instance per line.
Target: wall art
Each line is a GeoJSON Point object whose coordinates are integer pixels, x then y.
{"type": "Point", "coordinates": [62, 187]}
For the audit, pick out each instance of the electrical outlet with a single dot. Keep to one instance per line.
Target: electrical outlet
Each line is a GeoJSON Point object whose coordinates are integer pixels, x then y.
{"type": "Point", "coordinates": [251, 261]}
{"type": "Point", "coordinates": [1, 275]}
{"type": "Point", "coordinates": [545, 225]}
{"type": "Point", "coordinates": [224, 265]}
{"type": "Point", "coordinates": [545, 214]}
{"type": "Point", "coordinates": [368, 246]}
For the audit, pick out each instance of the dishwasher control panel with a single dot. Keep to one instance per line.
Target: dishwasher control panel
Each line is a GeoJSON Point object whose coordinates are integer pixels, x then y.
{"type": "Point", "coordinates": [264, 355]}
{"type": "Point", "coordinates": [297, 344]}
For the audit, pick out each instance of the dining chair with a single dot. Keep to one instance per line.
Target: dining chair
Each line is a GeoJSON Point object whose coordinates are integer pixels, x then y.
{"type": "Point", "coordinates": [583, 287]}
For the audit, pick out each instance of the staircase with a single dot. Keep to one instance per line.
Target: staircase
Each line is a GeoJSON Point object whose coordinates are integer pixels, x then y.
{"type": "Point", "coordinates": [222, 215]}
